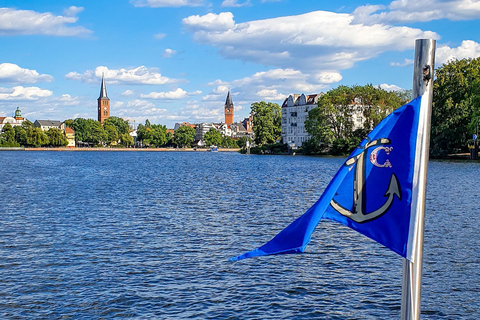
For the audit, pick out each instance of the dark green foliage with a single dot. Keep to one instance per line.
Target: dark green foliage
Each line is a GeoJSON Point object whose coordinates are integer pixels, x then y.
{"type": "Point", "coordinates": [267, 122]}
{"type": "Point", "coordinates": [56, 138]}
{"type": "Point", "coordinates": [456, 106]}
{"type": "Point", "coordinates": [152, 135]}
{"type": "Point", "coordinates": [119, 124]}
{"type": "Point", "coordinates": [7, 137]}
{"type": "Point", "coordinates": [331, 125]}
{"type": "Point", "coordinates": [184, 136]}
{"type": "Point", "coordinates": [213, 138]}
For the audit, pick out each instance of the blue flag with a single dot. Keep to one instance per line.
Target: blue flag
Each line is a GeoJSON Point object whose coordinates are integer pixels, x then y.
{"type": "Point", "coordinates": [371, 193]}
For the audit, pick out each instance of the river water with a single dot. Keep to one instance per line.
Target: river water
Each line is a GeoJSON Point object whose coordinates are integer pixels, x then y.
{"type": "Point", "coordinates": [147, 235]}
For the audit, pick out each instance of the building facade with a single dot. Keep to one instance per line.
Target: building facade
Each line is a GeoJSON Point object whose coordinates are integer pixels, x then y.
{"type": "Point", "coordinates": [17, 120]}
{"type": "Point", "coordinates": [295, 110]}
{"type": "Point", "coordinates": [47, 124]}
{"type": "Point", "coordinates": [103, 103]}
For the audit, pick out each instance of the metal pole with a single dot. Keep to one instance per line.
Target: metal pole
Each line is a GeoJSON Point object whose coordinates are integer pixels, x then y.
{"type": "Point", "coordinates": [422, 85]}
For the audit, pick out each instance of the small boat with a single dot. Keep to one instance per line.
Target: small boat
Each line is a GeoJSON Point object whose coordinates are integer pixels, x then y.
{"type": "Point", "coordinates": [213, 149]}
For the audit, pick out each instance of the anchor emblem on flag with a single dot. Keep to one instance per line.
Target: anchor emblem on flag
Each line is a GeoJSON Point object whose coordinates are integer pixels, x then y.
{"type": "Point", "coordinates": [359, 213]}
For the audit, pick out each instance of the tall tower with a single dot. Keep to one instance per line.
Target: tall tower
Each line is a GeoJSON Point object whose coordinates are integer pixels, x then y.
{"type": "Point", "coordinates": [103, 103]}
{"type": "Point", "coordinates": [229, 110]}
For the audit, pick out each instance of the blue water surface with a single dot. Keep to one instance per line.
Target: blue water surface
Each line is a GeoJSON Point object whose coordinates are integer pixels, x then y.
{"type": "Point", "coordinates": [147, 235]}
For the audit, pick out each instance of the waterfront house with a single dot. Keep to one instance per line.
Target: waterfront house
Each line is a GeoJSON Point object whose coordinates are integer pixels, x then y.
{"type": "Point", "coordinates": [47, 124]}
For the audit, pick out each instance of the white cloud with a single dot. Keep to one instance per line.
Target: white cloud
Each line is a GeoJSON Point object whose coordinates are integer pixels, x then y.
{"type": "Point", "coordinates": [23, 93]}
{"type": "Point", "coordinates": [168, 53]}
{"type": "Point", "coordinates": [139, 75]}
{"type": "Point", "coordinates": [177, 94]}
{"type": "Point", "coordinates": [406, 62]}
{"type": "Point", "coordinates": [128, 93]}
{"type": "Point", "coordinates": [418, 11]}
{"type": "Point", "coordinates": [329, 77]}
{"type": "Point", "coordinates": [167, 3]}
{"type": "Point", "coordinates": [72, 11]}
{"type": "Point", "coordinates": [317, 40]}
{"type": "Point", "coordinates": [390, 87]}
{"type": "Point", "coordinates": [210, 22]}
{"type": "Point", "coordinates": [12, 73]}
{"type": "Point", "coordinates": [27, 22]}
{"type": "Point", "coordinates": [170, 95]}
{"type": "Point", "coordinates": [234, 3]}
{"type": "Point", "coordinates": [160, 36]}
{"type": "Point", "coordinates": [468, 49]}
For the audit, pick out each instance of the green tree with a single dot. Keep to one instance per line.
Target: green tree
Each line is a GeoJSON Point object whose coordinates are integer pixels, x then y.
{"type": "Point", "coordinates": [267, 122]}
{"type": "Point", "coordinates": [126, 140]}
{"type": "Point", "coordinates": [120, 124]}
{"type": "Point", "coordinates": [456, 106]}
{"type": "Point", "coordinates": [152, 135]}
{"type": "Point", "coordinates": [36, 137]}
{"type": "Point", "coordinates": [184, 136]}
{"type": "Point", "coordinates": [20, 135]}
{"type": "Point", "coordinates": [8, 136]}
{"type": "Point", "coordinates": [213, 137]}
{"type": "Point", "coordinates": [96, 134]}
{"type": "Point", "coordinates": [228, 142]}
{"type": "Point", "coordinates": [331, 125]}
{"type": "Point", "coordinates": [111, 133]}
{"type": "Point", "coordinates": [56, 138]}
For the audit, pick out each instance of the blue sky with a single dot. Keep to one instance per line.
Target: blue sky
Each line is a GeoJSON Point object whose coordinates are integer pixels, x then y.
{"type": "Point", "coordinates": [174, 60]}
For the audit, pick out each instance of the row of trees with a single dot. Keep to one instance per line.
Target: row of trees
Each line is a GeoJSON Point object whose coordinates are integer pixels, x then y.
{"type": "Point", "coordinates": [331, 124]}
{"type": "Point", "coordinates": [114, 131]}
{"type": "Point", "coordinates": [29, 136]}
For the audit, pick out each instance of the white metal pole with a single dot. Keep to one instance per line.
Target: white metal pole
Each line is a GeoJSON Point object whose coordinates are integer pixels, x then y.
{"type": "Point", "coordinates": [422, 85]}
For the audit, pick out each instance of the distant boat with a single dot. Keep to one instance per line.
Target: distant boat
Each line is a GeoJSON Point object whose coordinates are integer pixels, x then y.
{"type": "Point", "coordinates": [213, 149]}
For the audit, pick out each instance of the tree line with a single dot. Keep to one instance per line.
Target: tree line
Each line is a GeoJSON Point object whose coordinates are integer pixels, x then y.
{"type": "Point", "coordinates": [29, 136]}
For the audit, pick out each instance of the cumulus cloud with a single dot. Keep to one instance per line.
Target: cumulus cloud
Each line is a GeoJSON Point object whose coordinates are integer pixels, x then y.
{"type": "Point", "coordinates": [272, 85]}
{"type": "Point", "coordinates": [390, 87]}
{"type": "Point", "coordinates": [168, 53]}
{"type": "Point", "coordinates": [406, 62]}
{"type": "Point", "coordinates": [167, 3]}
{"type": "Point", "coordinates": [160, 36]}
{"type": "Point", "coordinates": [417, 11]}
{"type": "Point", "coordinates": [468, 49]}
{"type": "Point", "coordinates": [210, 22]}
{"type": "Point", "coordinates": [26, 22]}
{"type": "Point", "coordinates": [177, 94]}
{"type": "Point", "coordinates": [317, 40]}
{"type": "Point", "coordinates": [139, 75]}
{"type": "Point", "coordinates": [23, 93]}
{"type": "Point", "coordinates": [234, 3]}
{"type": "Point", "coordinates": [12, 73]}
{"type": "Point", "coordinates": [128, 93]}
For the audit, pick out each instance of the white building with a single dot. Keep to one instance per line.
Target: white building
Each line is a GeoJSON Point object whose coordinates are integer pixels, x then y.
{"type": "Point", "coordinates": [201, 129]}
{"type": "Point", "coordinates": [294, 113]}
{"type": "Point", "coordinates": [17, 120]}
{"type": "Point", "coordinates": [47, 124]}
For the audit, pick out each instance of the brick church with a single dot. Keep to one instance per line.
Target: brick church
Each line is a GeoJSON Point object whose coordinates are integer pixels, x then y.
{"type": "Point", "coordinates": [103, 103]}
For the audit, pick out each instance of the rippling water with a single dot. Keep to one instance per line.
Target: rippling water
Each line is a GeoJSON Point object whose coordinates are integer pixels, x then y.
{"type": "Point", "coordinates": [96, 235]}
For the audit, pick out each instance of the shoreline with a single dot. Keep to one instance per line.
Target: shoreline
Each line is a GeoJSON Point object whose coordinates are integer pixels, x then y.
{"type": "Point", "coordinates": [129, 149]}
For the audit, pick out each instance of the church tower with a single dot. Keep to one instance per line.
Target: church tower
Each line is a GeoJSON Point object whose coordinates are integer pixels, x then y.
{"type": "Point", "coordinates": [229, 110]}
{"type": "Point", "coordinates": [103, 103]}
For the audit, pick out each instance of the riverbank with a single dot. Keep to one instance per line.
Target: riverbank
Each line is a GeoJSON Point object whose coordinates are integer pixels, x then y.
{"type": "Point", "coordinates": [128, 149]}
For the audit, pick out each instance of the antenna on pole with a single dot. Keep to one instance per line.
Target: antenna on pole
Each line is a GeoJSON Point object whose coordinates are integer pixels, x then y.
{"type": "Point", "coordinates": [422, 85]}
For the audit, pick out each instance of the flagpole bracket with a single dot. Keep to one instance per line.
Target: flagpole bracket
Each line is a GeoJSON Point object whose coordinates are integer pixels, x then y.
{"type": "Point", "coordinates": [427, 73]}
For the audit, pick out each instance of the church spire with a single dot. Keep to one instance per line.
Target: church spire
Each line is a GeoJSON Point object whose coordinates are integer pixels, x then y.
{"type": "Point", "coordinates": [103, 89]}
{"type": "Point", "coordinates": [229, 102]}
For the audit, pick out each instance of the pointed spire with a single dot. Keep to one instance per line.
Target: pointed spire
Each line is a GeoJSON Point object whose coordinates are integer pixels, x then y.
{"type": "Point", "coordinates": [229, 102]}
{"type": "Point", "coordinates": [103, 89]}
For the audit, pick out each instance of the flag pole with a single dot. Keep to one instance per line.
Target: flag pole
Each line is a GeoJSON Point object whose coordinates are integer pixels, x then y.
{"type": "Point", "coordinates": [422, 85]}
